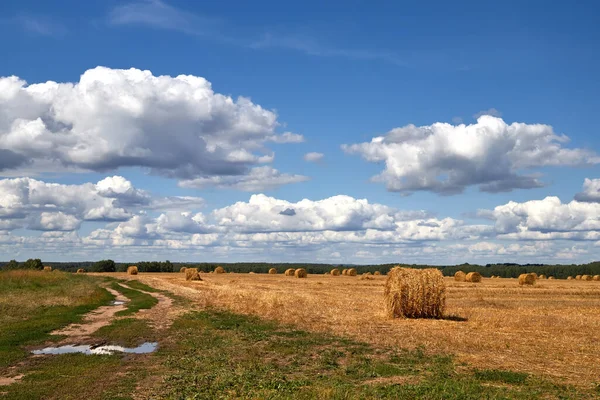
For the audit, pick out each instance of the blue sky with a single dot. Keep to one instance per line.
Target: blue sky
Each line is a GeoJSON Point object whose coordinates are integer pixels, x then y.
{"type": "Point", "coordinates": [337, 76]}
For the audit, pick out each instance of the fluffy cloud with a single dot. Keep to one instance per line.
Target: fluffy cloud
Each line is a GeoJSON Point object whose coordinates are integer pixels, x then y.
{"type": "Point", "coordinates": [445, 158]}
{"type": "Point", "coordinates": [173, 126]}
{"type": "Point", "coordinates": [259, 178]}
{"type": "Point", "coordinates": [313, 157]}
{"type": "Point", "coordinates": [591, 191]}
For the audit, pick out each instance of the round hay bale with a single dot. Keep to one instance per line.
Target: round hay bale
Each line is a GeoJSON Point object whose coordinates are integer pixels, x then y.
{"type": "Point", "coordinates": [550, 277]}
{"type": "Point", "coordinates": [596, 277]}
{"type": "Point", "coordinates": [578, 277]}
{"type": "Point", "coordinates": [460, 276]}
{"type": "Point", "coordinates": [586, 277]}
{"type": "Point", "coordinates": [367, 273]}
{"type": "Point", "coordinates": [290, 272]}
{"type": "Point", "coordinates": [272, 271]}
{"type": "Point", "coordinates": [542, 276]}
{"type": "Point", "coordinates": [351, 272]}
{"type": "Point", "coordinates": [183, 269]}
{"type": "Point", "coordinates": [366, 277]}
{"type": "Point", "coordinates": [81, 271]}
{"type": "Point", "coordinates": [534, 274]}
{"type": "Point", "coordinates": [474, 277]}
{"type": "Point", "coordinates": [335, 272]}
{"type": "Point", "coordinates": [192, 274]}
{"type": "Point", "coordinates": [219, 270]}
{"type": "Point", "coordinates": [132, 270]}
{"type": "Point", "coordinates": [345, 271]}
{"type": "Point", "coordinates": [526, 279]}
{"type": "Point", "coordinates": [251, 273]}
{"type": "Point", "coordinates": [300, 273]}
{"type": "Point", "coordinates": [569, 278]}
{"type": "Point", "coordinates": [376, 273]}
{"type": "Point", "coordinates": [48, 269]}
{"type": "Point", "coordinates": [415, 293]}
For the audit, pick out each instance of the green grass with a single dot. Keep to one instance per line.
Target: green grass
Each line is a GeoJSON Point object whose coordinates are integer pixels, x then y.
{"type": "Point", "coordinates": [137, 300]}
{"type": "Point", "coordinates": [134, 284]}
{"type": "Point", "coordinates": [33, 304]}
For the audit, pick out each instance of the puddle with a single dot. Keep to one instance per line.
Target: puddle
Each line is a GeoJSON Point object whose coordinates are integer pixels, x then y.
{"type": "Point", "coordinates": [109, 349]}
{"type": "Point", "coordinates": [117, 303]}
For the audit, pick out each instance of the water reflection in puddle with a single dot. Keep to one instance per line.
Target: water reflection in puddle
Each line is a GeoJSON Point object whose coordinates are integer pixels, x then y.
{"type": "Point", "coordinates": [117, 303]}
{"type": "Point", "coordinates": [147, 347]}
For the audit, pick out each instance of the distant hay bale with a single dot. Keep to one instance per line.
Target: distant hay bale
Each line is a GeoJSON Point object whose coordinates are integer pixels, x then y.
{"type": "Point", "coordinates": [351, 272]}
{"type": "Point", "coordinates": [366, 277]}
{"type": "Point", "coordinates": [586, 277]}
{"type": "Point", "coordinates": [474, 277]}
{"type": "Point", "coordinates": [596, 277]}
{"type": "Point", "coordinates": [460, 276]}
{"type": "Point", "coordinates": [81, 271]}
{"type": "Point", "coordinates": [219, 270]}
{"type": "Point", "coordinates": [48, 269]}
{"type": "Point", "coordinates": [550, 277]}
{"type": "Point", "coordinates": [578, 277]}
{"type": "Point", "coordinates": [367, 273]}
{"type": "Point", "coordinates": [415, 293]}
{"type": "Point", "coordinates": [345, 271]}
{"type": "Point", "coordinates": [300, 273]}
{"type": "Point", "coordinates": [526, 279]}
{"type": "Point", "coordinates": [376, 273]}
{"type": "Point", "coordinates": [542, 276]}
{"type": "Point", "coordinates": [132, 270]}
{"type": "Point", "coordinates": [335, 272]}
{"type": "Point", "coordinates": [251, 273]}
{"type": "Point", "coordinates": [183, 269]}
{"type": "Point", "coordinates": [289, 272]}
{"type": "Point", "coordinates": [569, 277]}
{"type": "Point", "coordinates": [192, 274]}
{"type": "Point", "coordinates": [534, 274]}
{"type": "Point", "coordinates": [272, 271]}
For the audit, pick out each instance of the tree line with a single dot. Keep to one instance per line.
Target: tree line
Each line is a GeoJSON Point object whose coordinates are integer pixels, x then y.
{"type": "Point", "coordinates": [505, 270]}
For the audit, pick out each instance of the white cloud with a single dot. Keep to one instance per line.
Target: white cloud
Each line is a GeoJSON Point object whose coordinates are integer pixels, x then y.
{"type": "Point", "coordinates": [491, 111]}
{"type": "Point", "coordinates": [591, 191]}
{"type": "Point", "coordinates": [258, 179]}
{"type": "Point", "coordinates": [446, 159]}
{"type": "Point", "coordinates": [174, 126]}
{"type": "Point", "coordinates": [313, 157]}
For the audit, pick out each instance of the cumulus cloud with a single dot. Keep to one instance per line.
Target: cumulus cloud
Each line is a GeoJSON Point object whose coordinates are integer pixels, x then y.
{"type": "Point", "coordinates": [313, 157]}
{"type": "Point", "coordinates": [491, 154]}
{"type": "Point", "coordinates": [591, 191]}
{"type": "Point", "coordinates": [173, 126]}
{"type": "Point", "coordinates": [258, 179]}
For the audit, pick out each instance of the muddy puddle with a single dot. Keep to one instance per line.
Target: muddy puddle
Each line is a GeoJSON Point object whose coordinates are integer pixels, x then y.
{"type": "Point", "coordinates": [117, 303]}
{"type": "Point", "coordinates": [145, 348]}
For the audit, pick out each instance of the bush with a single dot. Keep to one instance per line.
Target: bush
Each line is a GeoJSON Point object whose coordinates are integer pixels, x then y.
{"type": "Point", "coordinates": [33, 263]}
{"type": "Point", "coordinates": [104, 266]}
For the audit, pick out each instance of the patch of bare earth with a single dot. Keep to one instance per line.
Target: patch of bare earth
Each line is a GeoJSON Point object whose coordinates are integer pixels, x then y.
{"type": "Point", "coordinates": [162, 315]}
{"type": "Point", "coordinates": [9, 380]}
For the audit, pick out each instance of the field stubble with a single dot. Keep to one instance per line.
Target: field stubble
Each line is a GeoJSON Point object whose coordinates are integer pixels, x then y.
{"type": "Point", "coordinates": [551, 329]}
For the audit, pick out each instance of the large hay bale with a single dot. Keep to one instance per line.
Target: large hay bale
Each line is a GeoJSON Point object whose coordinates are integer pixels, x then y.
{"type": "Point", "coordinates": [376, 273]}
{"type": "Point", "coordinates": [586, 277]}
{"type": "Point", "coordinates": [48, 269]}
{"type": "Point", "coordinates": [335, 272]}
{"type": "Point", "coordinates": [596, 277]}
{"type": "Point", "coordinates": [542, 276]}
{"type": "Point", "coordinates": [535, 275]}
{"type": "Point", "coordinates": [345, 271]}
{"type": "Point", "coordinates": [183, 269]}
{"type": "Point", "coordinates": [474, 277]}
{"type": "Point", "coordinates": [351, 272]}
{"type": "Point", "coordinates": [272, 271]}
{"type": "Point", "coordinates": [415, 293]}
{"type": "Point", "coordinates": [191, 274]}
{"type": "Point", "coordinates": [578, 277]}
{"type": "Point", "coordinates": [290, 272]}
{"type": "Point", "coordinates": [300, 273]}
{"type": "Point", "coordinates": [81, 271]}
{"type": "Point", "coordinates": [219, 270]}
{"type": "Point", "coordinates": [526, 279]}
{"type": "Point", "coordinates": [460, 276]}
{"type": "Point", "coordinates": [569, 277]}
{"type": "Point", "coordinates": [132, 270]}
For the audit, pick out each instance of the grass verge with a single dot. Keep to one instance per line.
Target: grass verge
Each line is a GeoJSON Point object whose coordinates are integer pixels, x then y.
{"type": "Point", "coordinates": [137, 300]}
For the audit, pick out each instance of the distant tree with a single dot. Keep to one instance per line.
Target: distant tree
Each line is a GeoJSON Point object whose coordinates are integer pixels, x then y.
{"type": "Point", "coordinates": [104, 266]}
{"type": "Point", "coordinates": [33, 263]}
{"type": "Point", "coordinates": [12, 264]}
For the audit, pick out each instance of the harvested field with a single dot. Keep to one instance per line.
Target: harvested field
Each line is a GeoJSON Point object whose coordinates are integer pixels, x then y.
{"type": "Point", "coordinates": [494, 317]}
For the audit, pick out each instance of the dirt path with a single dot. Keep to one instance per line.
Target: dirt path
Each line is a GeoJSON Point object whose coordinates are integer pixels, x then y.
{"type": "Point", "coordinates": [93, 320]}
{"type": "Point", "coordinates": [162, 315]}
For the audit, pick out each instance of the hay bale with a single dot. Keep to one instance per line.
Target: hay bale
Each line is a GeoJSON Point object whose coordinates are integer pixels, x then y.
{"type": "Point", "coordinates": [367, 273]}
{"type": "Point", "coordinates": [534, 274]}
{"type": "Point", "coordinates": [345, 271]}
{"type": "Point", "coordinates": [460, 276]}
{"type": "Point", "coordinates": [550, 277]}
{"type": "Point", "coordinates": [526, 279]}
{"type": "Point", "coordinates": [48, 269]}
{"type": "Point", "coordinates": [219, 270]}
{"type": "Point", "coordinates": [251, 273]}
{"type": "Point", "coordinates": [586, 277]}
{"type": "Point", "coordinates": [376, 273]}
{"type": "Point", "coordinates": [183, 269]}
{"type": "Point", "coordinates": [542, 276]}
{"type": "Point", "coordinates": [132, 270]}
{"type": "Point", "coordinates": [81, 271]}
{"type": "Point", "coordinates": [192, 274]}
{"type": "Point", "coordinates": [351, 272]}
{"type": "Point", "coordinates": [578, 277]}
{"type": "Point", "coordinates": [290, 272]}
{"type": "Point", "coordinates": [474, 277]}
{"type": "Point", "coordinates": [596, 277]}
{"type": "Point", "coordinates": [366, 277]}
{"type": "Point", "coordinates": [272, 271]}
{"type": "Point", "coordinates": [569, 277]}
{"type": "Point", "coordinates": [415, 293]}
{"type": "Point", "coordinates": [300, 273]}
{"type": "Point", "coordinates": [335, 272]}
